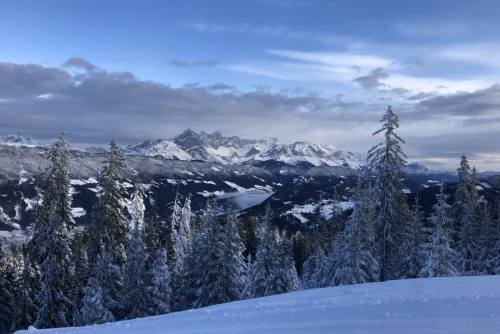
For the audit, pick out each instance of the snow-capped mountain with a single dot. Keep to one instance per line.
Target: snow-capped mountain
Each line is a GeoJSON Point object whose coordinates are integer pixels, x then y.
{"type": "Point", "coordinates": [18, 140]}
{"type": "Point", "coordinates": [215, 148]}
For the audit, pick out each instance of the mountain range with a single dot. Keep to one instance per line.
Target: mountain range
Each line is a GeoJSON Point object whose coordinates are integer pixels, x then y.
{"type": "Point", "coordinates": [294, 178]}
{"type": "Point", "coordinates": [217, 149]}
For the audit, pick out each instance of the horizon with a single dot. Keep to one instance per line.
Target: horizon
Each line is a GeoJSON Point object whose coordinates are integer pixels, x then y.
{"type": "Point", "coordinates": [76, 146]}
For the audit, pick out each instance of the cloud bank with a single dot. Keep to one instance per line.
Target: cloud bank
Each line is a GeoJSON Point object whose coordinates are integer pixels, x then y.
{"type": "Point", "coordinates": [94, 106]}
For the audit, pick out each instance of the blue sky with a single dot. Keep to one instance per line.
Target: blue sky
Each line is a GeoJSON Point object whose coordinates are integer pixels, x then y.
{"type": "Point", "coordinates": [311, 70]}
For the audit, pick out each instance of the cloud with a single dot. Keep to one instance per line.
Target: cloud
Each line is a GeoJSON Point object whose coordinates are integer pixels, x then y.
{"type": "Point", "coordinates": [80, 63]}
{"type": "Point", "coordinates": [100, 105]}
{"type": "Point", "coordinates": [480, 102]}
{"type": "Point", "coordinates": [204, 26]}
{"type": "Point", "coordinates": [201, 63]}
{"type": "Point", "coordinates": [372, 81]}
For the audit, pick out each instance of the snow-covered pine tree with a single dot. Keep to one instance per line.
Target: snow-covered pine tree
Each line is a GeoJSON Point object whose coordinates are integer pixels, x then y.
{"type": "Point", "coordinates": [230, 270]}
{"type": "Point", "coordinates": [81, 269]}
{"type": "Point", "coordinates": [261, 271]}
{"type": "Point", "coordinates": [284, 277]}
{"type": "Point", "coordinates": [352, 259]}
{"type": "Point", "coordinates": [26, 289]}
{"type": "Point", "coordinates": [133, 297]}
{"type": "Point", "coordinates": [387, 160]}
{"type": "Point", "coordinates": [440, 257]}
{"type": "Point", "coordinates": [337, 221]}
{"type": "Point", "coordinates": [174, 248]}
{"type": "Point", "coordinates": [496, 243]}
{"type": "Point", "coordinates": [415, 241]}
{"type": "Point", "coordinates": [200, 266]}
{"type": "Point", "coordinates": [461, 197]}
{"type": "Point", "coordinates": [158, 291]}
{"type": "Point", "coordinates": [7, 276]}
{"type": "Point", "coordinates": [313, 269]}
{"type": "Point", "coordinates": [174, 252]}
{"type": "Point", "coordinates": [487, 240]}
{"type": "Point", "coordinates": [107, 240]}
{"type": "Point", "coordinates": [97, 299]}
{"type": "Point", "coordinates": [466, 206]}
{"type": "Point", "coordinates": [57, 231]}
{"type": "Point", "coordinates": [185, 228]}
{"type": "Point", "coordinates": [210, 247]}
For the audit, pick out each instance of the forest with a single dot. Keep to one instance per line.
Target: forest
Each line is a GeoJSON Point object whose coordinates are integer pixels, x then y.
{"type": "Point", "coordinates": [126, 266]}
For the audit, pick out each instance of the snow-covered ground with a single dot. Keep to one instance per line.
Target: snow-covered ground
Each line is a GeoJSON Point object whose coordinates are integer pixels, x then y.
{"type": "Point", "coordinates": [430, 305]}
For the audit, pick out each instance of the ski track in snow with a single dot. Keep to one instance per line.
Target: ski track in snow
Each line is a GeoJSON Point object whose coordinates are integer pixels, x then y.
{"type": "Point", "coordinates": [430, 305]}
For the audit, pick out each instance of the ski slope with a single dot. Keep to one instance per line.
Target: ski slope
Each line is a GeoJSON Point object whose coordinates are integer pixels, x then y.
{"type": "Point", "coordinates": [430, 305]}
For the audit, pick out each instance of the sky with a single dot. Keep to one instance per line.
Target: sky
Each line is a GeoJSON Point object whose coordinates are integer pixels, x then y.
{"type": "Point", "coordinates": [299, 70]}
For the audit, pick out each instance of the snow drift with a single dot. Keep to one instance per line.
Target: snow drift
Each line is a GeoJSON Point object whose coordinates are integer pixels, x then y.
{"type": "Point", "coordinates": [430, 305]}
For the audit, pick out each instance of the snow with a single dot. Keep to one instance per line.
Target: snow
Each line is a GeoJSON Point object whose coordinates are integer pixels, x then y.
{"type": "Point", "coordinates": [325, 208]}
{"type": "Point", "coordinates": [76, 182]}
{"type": "Point", "coordinates": [486, 185]}
{"type": "Point", "coordinates": [429, 305]}
{"type": "Point", "coordinates": [78, 212]}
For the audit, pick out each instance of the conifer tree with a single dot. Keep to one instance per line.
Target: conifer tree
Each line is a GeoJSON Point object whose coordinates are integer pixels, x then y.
{"type": "Point", "coordinates": [262, 272]}
{"type": "Point", "coordinates": [185, 227]}
{"type": "Point", "coordinates": [81, 269]}
{"type": "Point", "coordinates": [108, 239]}
{"type": "Point", "coordinates": [487, 240]}
{"type": "Point", "coordinates": [415, 241]}
{"type": "Point", "coordinates": [352, 259]}
{"type": "Point", "coordinates": [387, 160]}
{"type": "Point", "coordinates": [467, 221]}
{"type": "Point", "coordinates": [56, 229]}
{"type": "Point", "coordinates": [174, 247]}
{"type": "Point", "coordinates": [231, 266]}
{"type": "Point", "coordinates": [313, 269]}
{"type": "Point", "coordinates": [158, 291]}
{"type": "Point", "coordinates": [220, 251]}
{"type": "Point", "coordinates": [440, 257]}
{"type": "Point", "coordinates": [97, 300]}
{"type": "Point", "coordinates": [26, 289]}
{"type": "Point", "coordinates": [6, 290]}
{"type": "Point", "coordinates": [284, 276]}
{"type": "Point", "coordinates": [133, 297]}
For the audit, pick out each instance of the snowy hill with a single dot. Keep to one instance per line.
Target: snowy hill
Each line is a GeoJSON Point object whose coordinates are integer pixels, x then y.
{"type": "Point", "coordinates": [430, 305]}
{"type": "Point", "coordinates": [215, 148]}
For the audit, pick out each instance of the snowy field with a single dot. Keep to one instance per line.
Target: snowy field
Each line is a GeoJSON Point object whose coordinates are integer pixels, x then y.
{"type": "Point", "coordinates": [430, 305]}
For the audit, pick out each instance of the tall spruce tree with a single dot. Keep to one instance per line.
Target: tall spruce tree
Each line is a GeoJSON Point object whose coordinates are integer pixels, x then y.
{"type": "Point", "coordinates": [6, 290]}
{"type": "Point", "coordinates": [415, 241]}
{"type": "Point", "coordinates": [133, 297]}
{"type": "Point", "coordinates": [487, 240]}
{"type": "Point", "coordinates": [353, 258]}
{"type": "Point", "coordinates": [158, 290]}
{"type": "Point", "coordinates": [218, 277]}
{"type": "Point", "coordinates": [56, 229]}
{"type": "Point", "coordinates": [285, 278]}
{"type": "Point", "coordinates": [440, 257]}
{"type": "Point", "coordinates": [386, 160]}
{"type": "Point", "coordinates": [25, 292]}
{"type": "Point", "coordinates": [466, 210]}
{"type": "Point", "coordinates": [231, 276]}
{"type": "Point", "coordinates": [108, 240]}
{"type": "Point", "coordinates": [262, 273]}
